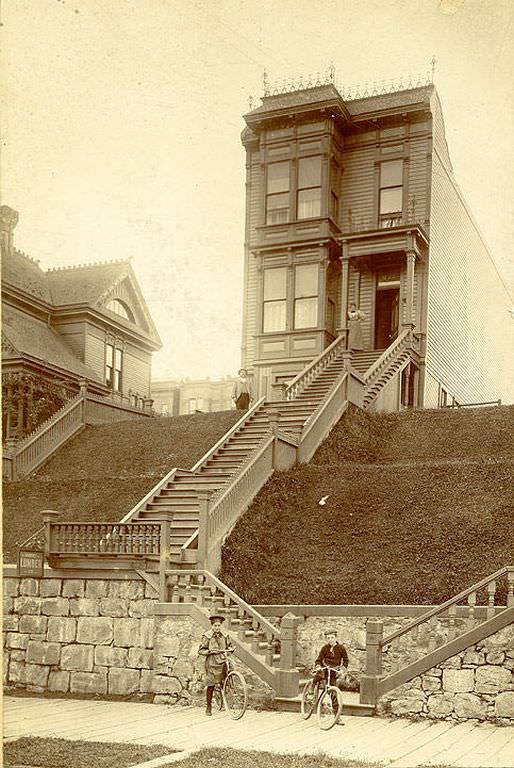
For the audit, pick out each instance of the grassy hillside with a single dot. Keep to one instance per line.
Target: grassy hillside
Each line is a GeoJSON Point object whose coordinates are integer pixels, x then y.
{"type": "Point", "coordinates": [104, 471]}
{"type": "Point", "coordinates": [419, 506]}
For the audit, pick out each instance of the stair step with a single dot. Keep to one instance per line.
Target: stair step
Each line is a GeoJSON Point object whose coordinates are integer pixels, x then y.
{"type": "Point", "coordinates": [351, 705]}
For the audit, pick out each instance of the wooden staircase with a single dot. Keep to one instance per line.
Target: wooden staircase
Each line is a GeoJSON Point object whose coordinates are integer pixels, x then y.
{"type": "Point", "coordinates": [177, 499]}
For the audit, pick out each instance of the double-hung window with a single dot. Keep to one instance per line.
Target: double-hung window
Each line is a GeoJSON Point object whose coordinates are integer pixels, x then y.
{"type": "Point", "coordinates": [277, 193]}
{"type": "Point", "coordinates": [309, 187]}
{"type": "Point", "coordinates": [306, 296]}
{"type": "Point", "coordinates": [113, 364]}
{"type": "Point", "coordinates": [275, 299]}
{"type": "Point", "coordinates": [391, 193]}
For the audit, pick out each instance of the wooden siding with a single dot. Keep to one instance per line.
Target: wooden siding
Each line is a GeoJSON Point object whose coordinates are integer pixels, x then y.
{"type": "Point", "coordinates": [418, 177]}
{"type": "Point", "coordinates": [95, 350]}
{"type": "Point", "coordinates": [469, 329]}
{"type": "Point", "coordinates": [254, 219]}
{"type": "Point", "coordinates": [358, 184]}
{"type": "Point", "coordinates": [74, 336]}
{"type": "Point", "coordinates": [136, 371]}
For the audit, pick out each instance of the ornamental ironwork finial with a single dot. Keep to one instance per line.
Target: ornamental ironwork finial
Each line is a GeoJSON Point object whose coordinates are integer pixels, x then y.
{"type": "Point", "coordinates": [265, 83]}
{"type": "Point", "coordinates": [331, 72]}
{"type": "Point", "coordinates": [250, 103]}
{"type": "Point", "coordinates": [433, 63]}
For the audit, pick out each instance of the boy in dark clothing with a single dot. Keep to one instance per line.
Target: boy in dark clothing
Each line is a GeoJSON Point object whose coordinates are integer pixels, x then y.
{"type": "Point", "coordinates": [334, 656]}
{"type": "Point", "coordinates": [214, 646]}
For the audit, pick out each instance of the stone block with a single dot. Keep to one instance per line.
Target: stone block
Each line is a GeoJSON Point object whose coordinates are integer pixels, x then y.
{"type": "Point", "coordinates": [50, 587]}
{"type": "Point", "coordinates": [84, 606]}
{"type": "Point", "coordinates": [34, 625]}
{"type": "Point", "coordinates": [409, 704]}
{"type": "Point", "coordinates": [59, 681]}
{"type": "Point", "coordinates": [7, 605]}
{"type": "Point", "coordinates": [151, 592]}
{"type": "Point", "coordinates": [113, 606]}
{"type": "Point", "coordinates": [123, 681]}
{"type": "Point", "coordinates": [126, 632]}
{"type": "Point", "coordinates": [475, 658]}
{"type": "Point", "coordinates": [17, 672]}
{"type": "Point", "coordinates": [458, 680]}
{"type": "Point", "coordinates": [43, 653]}
{"type": "Point", "coordinates": [504, 704]}
{"type": "Point", "coordinates": [140, 658]}
{"type": "Point", "coordinates": [429, 683]}
{"type": "Point", "coordinates": [129, 590]}
{"type": "Point", "coordinates": [492, 679]}
{"type": "Point", "coordinates": [29, 587]}
{"type": "Point", "coordinates": [495, 657]}
{"type": "Point", "coordinates": [141, 608]}
{"type": "Point", "coordinates": [78, 657]}
{"type": "Point", "coordinates": [17, 654]}
{"type": "Point", "coordinates": [441, 704]}
{"type": "Point", "coordinates": [96, 588]}
{"type": "Point", "coordinates": [469, 706]}
{"type": "Point", "coordinates": [55, 606]}
{"type": "Point", "coordinates": [454, 662]}
{"type": "Point", "coordinates": [62, 629]}
{"type": "Point", "coordinates": [88, 682]}
{"type": "Point", "coordinates": [27, 606]}
{"type": "Point", "coordinates": [146, 683]}
{"type": "Point", "coordinates": [146, 636]}
{"type": "Point", "coordinates": [97, 630]}
{"type": "Point", "coordinates": [11, 624]}
{"type": "Point", "coordinates": [73, 588]}
{"type": "Point", "coordinates": [17, 640]}
{"type": "Point", "coordinates": [11, 587]}
{"type": "Point", "coordinates": [5, 667]}
{"type": "Point", "coordinates": [106, 656]}
{"type": "Point", "coordinates": [36, 674]}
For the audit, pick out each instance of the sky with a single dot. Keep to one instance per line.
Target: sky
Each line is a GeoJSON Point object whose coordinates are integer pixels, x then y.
{"type": "Point", "coordinates": [121, 126]}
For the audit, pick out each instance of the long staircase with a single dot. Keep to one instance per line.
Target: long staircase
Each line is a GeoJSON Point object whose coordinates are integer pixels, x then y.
{"type": "Point", "coordinates": [176, 497]}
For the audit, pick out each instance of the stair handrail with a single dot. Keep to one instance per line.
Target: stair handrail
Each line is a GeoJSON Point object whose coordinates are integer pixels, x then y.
{"type": "Point", "coordinates": [315, 415]}
{"type": "Point", "coordinates": [506, 570]}
{"type": "Point", "coordinates": [392, 350]}
{"type": "Point", "coordinates": [210, 577]}
{"type": "Point", "coordinates": [48, 424]}
{"type": "Point", "coordinates": [324, 358]}
{"type": "Point", "coordinates": [246, 415]}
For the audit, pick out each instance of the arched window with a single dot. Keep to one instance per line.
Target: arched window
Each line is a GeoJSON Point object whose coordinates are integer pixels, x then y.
{"type": "Point", "coordinates": [117, 306]}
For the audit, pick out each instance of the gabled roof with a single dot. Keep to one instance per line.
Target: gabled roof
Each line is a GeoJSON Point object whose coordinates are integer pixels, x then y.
{"type": "Point", "coordinates": [23, 272]}
{"type": "Point", "coordinates": [29, 337]}
{"type": "Point", "coordinates": [84, 284]}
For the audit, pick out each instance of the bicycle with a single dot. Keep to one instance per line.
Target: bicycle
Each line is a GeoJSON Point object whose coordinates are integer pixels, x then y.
{"type": "Point", "coordinates": [232, 694]}
{"type": "Point", "coordinates": [323, 697]}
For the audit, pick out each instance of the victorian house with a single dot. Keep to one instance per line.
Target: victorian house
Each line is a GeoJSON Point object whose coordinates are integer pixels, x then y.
{"type": "Point", "coordinates": [351, 200]}
{"type": "Point", "coordinates": [67, 328]}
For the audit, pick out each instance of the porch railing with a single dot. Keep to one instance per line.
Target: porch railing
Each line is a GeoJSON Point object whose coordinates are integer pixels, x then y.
{"type": "Point", "coordinates": [104, 539]}
{"type": "Point", "coordinates": [33, 450]}
{"type": "Point", "coordinates": [405, 338]}
{"type": "Point", "coordinates": [322, 361]}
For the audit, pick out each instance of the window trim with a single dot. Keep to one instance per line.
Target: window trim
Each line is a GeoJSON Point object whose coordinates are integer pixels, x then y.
{"type": "Point", "coordinates": [392, 218]}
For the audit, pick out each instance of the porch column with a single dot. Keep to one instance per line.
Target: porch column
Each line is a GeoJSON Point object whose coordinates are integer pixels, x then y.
{"type": "Point", "coordinates": [409, 291]}
{"type": "Point", "coordinates": [345, 271]}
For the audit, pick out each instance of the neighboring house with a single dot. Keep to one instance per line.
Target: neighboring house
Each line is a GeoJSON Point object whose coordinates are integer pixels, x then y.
{"type": "Point", "coordinates": [65, 326]}
{"type": "Point", "coordinates": [173, 397]}
{"type": "Point", "coordinates": [354, 201]}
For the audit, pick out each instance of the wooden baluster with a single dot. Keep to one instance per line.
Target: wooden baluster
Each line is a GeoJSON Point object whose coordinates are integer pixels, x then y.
{"type": "Point", "coordinates": [510, 589]}
{"type": "Point", "coordinates": [101, 538]}
{"type": "Point", "coordinates": [472, 600]}
{"type": "Point", "coordinates": [433, 640]}
{"type": "Point", "coordinates": [187, 588]}
{"type": "Point", "coordinates": [269, 648]}
{"type": "Point", "coordinates": [76, 538]}
{"type": "Point", "coordinates": [175, 594]}
{"type": "Point", "coordinates": [491, 594]}
{"type": "Point", "coordinates": [123, 543]}
{"type": "Point", "coordinates": [452, 629]}
{"type": "Point", "coordinates": [200, 598]}
{"type": "Point", "coordinates": [413, 654]}
{"type": "Point", "coordinates": [255, 638]}
{"type": "Point", "coordinates": [394, 654]}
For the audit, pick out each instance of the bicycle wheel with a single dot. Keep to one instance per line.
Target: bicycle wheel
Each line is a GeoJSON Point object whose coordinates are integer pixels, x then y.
{"type": "Point", "coordinates": [330, 706]}
{"type": "Point", "coordinates": [309, 698]}
{"type": "Point", "coordinates": [235, 695]}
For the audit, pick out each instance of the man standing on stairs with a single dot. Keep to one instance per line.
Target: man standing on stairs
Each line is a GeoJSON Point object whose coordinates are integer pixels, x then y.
{"type": "Point", "coordinates": [242, 392]}
{"type": "Point", "coordinates": [214, 645]}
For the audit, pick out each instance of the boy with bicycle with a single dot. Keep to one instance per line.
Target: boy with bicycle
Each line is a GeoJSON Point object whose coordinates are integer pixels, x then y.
{"type": "Point", "coordinates": [214, 645]}
{"type": "Point", "coordinates": [333, 656]}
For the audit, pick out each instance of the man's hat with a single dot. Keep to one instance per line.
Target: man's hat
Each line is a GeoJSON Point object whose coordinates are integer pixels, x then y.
{"type": "Point", "coordinates": [330, 632]}
{"type": "Point", "coordinates": [216, 617]}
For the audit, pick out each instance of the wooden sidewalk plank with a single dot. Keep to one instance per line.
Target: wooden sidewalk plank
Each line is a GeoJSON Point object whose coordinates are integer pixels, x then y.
{"type": "Point", "coordinates": [455, 753]}
{"type": "Point", "coordinates": [427, 733]}
{"type": "Point", "coordinates": [489, 747]}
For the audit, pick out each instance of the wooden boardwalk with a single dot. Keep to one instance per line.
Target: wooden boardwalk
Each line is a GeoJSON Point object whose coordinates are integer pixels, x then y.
{"type": "Point", "coordinates": [396, 743]}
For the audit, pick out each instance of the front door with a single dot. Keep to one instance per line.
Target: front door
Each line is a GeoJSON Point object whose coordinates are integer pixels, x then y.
{"type": "Point", "coordinates": [387, 304]}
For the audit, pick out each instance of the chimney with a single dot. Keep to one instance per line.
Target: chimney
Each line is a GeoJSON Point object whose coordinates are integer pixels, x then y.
{"type": "Point", "coordinates": [8, 220]}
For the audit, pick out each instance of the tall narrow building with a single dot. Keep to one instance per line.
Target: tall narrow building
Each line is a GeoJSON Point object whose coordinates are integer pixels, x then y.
{"type": "Point", "coordinates": [354, 218]}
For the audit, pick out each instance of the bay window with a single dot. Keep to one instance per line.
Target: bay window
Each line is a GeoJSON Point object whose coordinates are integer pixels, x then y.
{"type": "Point", "coordinates": [391, 193]}
{"type": "Point", "coordinates": [275, 294]}
{"type": "Point", "coordinates": [309, 187]}
{"type": "Point", "coordinates": [306, 296]}
{"type": "Point", "coordinates": [277, 193]}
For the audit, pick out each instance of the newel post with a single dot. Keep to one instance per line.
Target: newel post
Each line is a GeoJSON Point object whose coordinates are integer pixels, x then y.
{"type": "Point", "coordinates": [164, 560]}
{"type": "Point", "coordinates": [49, 516]}
{"type": "Point", "coordinates": [83, 395]}
{"type": "Point", "coordinates": [204, 504]}
{"type": "Point", "coordinates": [373, 669]}
{"type": "Point", "coordinates": [288, 676]}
